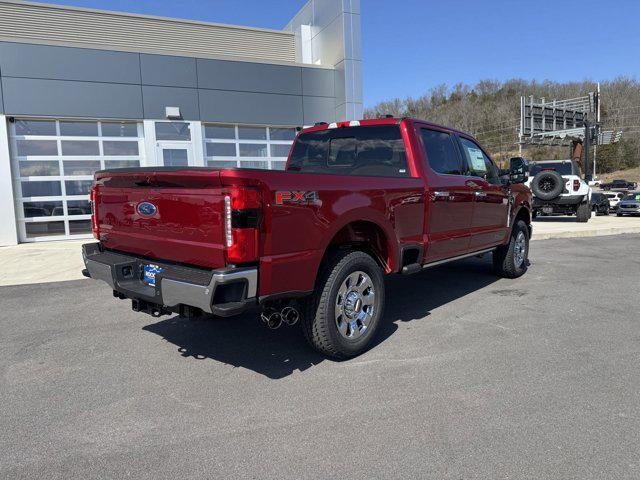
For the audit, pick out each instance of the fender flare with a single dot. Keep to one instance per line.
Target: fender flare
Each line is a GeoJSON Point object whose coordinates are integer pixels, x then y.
{"type": "Point", "coordinates": [522, 205]}
{"type": "Point", "coordinates": [365, 214]}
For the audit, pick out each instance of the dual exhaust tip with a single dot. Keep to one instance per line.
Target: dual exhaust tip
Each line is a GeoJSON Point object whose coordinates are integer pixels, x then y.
{"type": "Point", "coordinates": [273, 318]}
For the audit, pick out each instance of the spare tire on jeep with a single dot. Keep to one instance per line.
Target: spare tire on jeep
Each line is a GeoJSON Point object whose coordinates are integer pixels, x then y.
{"type": "Point", "coordinates": [547, 185]}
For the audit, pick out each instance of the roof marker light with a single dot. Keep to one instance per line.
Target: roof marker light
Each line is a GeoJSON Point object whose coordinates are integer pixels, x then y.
{"type": "Point", "coordinates": [354, 123]}
{"type": "Point", "coordinates": [333, 125]}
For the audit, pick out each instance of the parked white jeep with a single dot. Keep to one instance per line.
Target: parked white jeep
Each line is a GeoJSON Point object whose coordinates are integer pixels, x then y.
{"type": "Point", "coordinates": [558, 188]}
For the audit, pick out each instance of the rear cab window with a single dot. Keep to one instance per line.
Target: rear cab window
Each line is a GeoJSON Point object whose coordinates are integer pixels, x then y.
{"type": "Point", "coordinates": [376, 151]}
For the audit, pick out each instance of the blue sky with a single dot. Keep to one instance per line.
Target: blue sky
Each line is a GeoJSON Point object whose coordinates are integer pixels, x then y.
{"type": "Point", "coordinates": [410, 46]}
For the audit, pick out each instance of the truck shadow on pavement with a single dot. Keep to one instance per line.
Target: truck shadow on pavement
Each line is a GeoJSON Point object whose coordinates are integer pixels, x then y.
{"type": "Point", "coordinates": [555, 218]}
{"type": "Point", "coordinates": [243, 341]}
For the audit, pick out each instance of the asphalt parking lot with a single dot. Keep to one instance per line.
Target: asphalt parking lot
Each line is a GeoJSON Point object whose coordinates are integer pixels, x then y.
{"type": "Point", "coordinates": [472, 377]}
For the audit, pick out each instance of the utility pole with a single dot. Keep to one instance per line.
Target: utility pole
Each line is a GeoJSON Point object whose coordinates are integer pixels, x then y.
{"type": "Point", "coordinates": [595, 145]}
{"type": "Point", "coordinates": [521, 126]}
{"type": "Point", "coordinates": [586, 144]}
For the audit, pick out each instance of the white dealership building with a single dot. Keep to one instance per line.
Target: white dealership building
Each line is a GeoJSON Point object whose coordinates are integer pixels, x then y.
{"type": "Point", "coordinates": [83, 90]}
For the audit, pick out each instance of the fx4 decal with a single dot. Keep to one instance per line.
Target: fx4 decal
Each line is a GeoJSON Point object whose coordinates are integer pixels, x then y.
{"type": "Point", "coordinates": [296, 196]}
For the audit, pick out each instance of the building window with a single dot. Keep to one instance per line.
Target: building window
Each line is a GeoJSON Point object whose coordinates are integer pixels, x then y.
{"type": "Point", "coordinates": [53, 162]}
{"type": "Point", "coordinates": [177, 131]}
{"type": "Point", "coordinates": [247, 146]}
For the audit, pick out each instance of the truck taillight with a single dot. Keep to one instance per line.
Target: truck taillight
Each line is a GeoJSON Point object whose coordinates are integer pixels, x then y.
{"type": "Point", "coordinates": [242, 209]}
{"type": "Point", "coordinates": [576, 185]}
{"type": "Point", "coordinates": [228, 234]}
{"type": "Point", "coordinates": [93, 197]}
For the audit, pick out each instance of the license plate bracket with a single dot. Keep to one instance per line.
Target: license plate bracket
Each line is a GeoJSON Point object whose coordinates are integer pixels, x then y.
{"type": "Point", "coordinates": [149, 274]}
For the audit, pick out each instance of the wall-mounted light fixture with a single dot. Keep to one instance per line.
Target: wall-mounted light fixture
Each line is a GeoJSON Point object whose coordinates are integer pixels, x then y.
{"type": "Point", "coordinates": [172, 113]}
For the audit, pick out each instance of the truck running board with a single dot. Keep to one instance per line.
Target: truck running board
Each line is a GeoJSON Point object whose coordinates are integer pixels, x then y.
{"type": "Point", "coordinates": [411, 268]}
{"type": "Point", "coordinates": [459, 257]}
{"type": "Point", "coordinates": [416, 267]}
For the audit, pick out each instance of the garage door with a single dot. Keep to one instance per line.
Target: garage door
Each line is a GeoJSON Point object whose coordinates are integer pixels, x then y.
{"type": "Point", "coordinates": [53, 162]}
{"type": "Point", "coordinates": [247, 146]}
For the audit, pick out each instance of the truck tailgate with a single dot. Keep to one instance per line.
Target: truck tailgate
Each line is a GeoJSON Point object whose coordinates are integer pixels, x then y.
{"type": "Point", "coordinates": [172, 215]}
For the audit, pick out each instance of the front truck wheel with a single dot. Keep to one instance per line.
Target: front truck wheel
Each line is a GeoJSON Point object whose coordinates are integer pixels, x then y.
{"type": "Point", "coordinates": [343, 315]}
{"type": "Point", "coordinates": [512, 260]}
{"type": "Point", "coordinates": [583, 212]}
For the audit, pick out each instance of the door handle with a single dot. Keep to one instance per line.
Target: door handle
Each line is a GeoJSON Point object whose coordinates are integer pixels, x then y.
{"type": "Point", "coordinates": [440, 196]}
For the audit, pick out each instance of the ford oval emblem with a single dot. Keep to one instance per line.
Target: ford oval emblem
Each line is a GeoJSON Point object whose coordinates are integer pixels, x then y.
{"type": "Point", "coordinates": [147, 209]}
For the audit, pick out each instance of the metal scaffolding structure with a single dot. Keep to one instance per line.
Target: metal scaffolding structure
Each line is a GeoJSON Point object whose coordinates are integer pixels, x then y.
{"type": "Point", "coordinates": [564, 123]}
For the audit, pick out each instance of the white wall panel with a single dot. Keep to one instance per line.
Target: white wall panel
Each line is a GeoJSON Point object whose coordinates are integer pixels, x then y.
{"type": "Point", "coordinates": [336, 42]}
{"type": "Point", "coordinates": [8, 232]}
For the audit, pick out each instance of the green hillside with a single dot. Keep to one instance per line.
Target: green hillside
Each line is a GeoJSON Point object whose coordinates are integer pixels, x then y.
{"type": "Point", "coordinates": [491, 111]}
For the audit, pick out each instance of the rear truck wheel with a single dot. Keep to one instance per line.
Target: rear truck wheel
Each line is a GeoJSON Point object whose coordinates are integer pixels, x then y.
{"type": "Point", "coordinates": [583, 212]}
{"type": "Point", "coordinates": [512, 260]}
{"type": "Point", "coordinates": [343, 315]}
{"type": "Point", "coordinates": [618, 214]}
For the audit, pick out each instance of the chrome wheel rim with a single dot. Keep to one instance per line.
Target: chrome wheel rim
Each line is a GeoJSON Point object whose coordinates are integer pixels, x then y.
{"type": "Point", "coordinates": [355, 305]}
{"type": "Point", "coordinates": [520, 249]}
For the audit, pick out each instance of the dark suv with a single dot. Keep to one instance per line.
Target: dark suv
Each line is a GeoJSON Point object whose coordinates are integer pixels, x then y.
{"type": "Point", "coordinates": [619, 185]}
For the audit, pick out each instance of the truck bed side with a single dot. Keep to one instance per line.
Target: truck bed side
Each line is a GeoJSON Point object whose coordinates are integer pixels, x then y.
{"type": "Point", "coordinates": [388, 212]}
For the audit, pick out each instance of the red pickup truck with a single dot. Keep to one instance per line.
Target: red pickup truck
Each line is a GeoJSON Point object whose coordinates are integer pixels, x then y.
{"type": "Point", "coordinates": [358, 200]}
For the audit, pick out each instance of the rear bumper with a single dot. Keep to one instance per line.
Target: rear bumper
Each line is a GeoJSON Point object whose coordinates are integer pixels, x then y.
{"type": "Point", "coordinates": [561, 200]}
{"type": "Point", "coordinates": [221, 292]}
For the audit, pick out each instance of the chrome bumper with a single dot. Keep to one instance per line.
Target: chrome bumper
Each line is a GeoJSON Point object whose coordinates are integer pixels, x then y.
{"type": "Point", "coordinates": [176, 285]}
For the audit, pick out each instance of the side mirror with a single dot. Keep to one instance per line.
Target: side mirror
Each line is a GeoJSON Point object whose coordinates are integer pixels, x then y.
{"type": "Point", "coordinates": [518, 170]}
{"type": "Point", "coordinates": [505, 176]}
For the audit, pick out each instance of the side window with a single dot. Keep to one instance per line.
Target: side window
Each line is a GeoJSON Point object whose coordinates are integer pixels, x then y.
{"type": "Point", "coordinates": [478, 163]}
{"type": "Point", "coordinates": [442, 155]}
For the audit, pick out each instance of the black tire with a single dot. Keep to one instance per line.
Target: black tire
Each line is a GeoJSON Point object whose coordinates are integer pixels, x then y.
{"type": "Point", "coordinates": [319, 322]}
{"type": "Point", "coordinates": [534, 214]}
{"type": "Point", "coordinates": [583, 213]}
{"type": "Point", "coordinates": [547, 185]}
{"type": "Point", "coordinates": [618, 214]}
{"type": "Point", "coordinates": [504, 257]}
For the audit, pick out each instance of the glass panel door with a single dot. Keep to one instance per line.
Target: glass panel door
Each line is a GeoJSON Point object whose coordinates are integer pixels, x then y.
{"type": "Point", "coordinates": [175, 154]}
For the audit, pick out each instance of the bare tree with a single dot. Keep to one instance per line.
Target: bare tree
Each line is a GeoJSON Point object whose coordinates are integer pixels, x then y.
{"type": "Point", "coordinates": [490, 111]}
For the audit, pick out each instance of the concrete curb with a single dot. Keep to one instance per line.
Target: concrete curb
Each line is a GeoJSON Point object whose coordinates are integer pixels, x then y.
{"type": "Point", "coordinates": [596, 232]}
